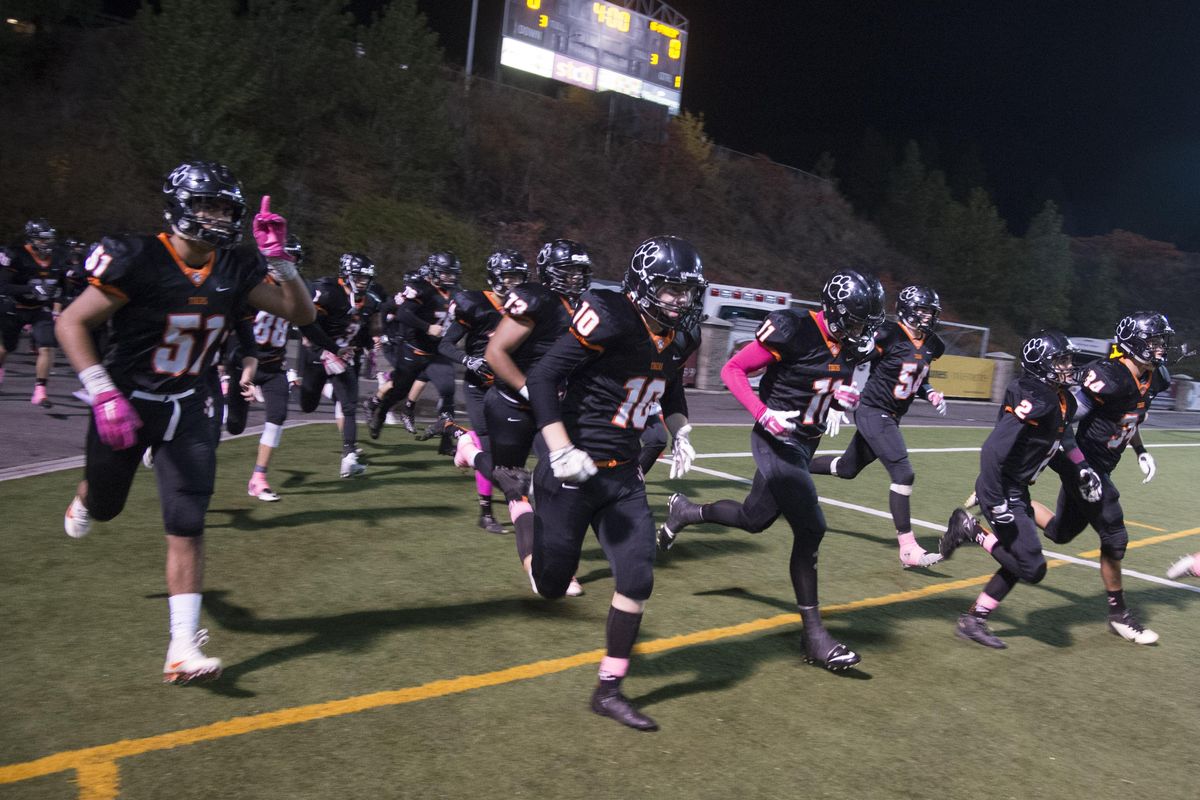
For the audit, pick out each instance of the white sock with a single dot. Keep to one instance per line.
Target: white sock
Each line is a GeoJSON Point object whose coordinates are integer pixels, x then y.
{"type": "Point", "coordinates": [185, 616]}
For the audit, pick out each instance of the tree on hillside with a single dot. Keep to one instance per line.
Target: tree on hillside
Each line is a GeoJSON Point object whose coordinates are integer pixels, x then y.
{"type": "Point", "coordinates": [1047, 272]}
{"type": "Point", "coordinates": [974, 259]}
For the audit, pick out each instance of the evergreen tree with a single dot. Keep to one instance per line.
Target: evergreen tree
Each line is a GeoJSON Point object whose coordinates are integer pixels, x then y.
{"type": "Point", "coordinates": [1047, 271]}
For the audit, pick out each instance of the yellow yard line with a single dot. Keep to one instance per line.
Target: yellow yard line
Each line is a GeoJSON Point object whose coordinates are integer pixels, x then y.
{"type": "Point", "coordinates": [1143, 525]}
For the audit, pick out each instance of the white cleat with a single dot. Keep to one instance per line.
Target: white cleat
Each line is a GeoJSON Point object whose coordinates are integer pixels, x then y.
{"type": "Point", "coordinates": [258, 488]}
{"type": "Point", "coordinates": [465, 451]}
{"type": "Point", "coordinates": [1185, 567]}
{"type": "Point", "coordinates": [77, 522]}
{"type": "Point", "coordinates": [971, 502]}
{"type": "Point", "coordinates": [186, 662]}
{"type": "Point", "coordinates": [1126, 626]}
{"type": "Point", "coordinates": [918, 558]}
{"type": "Point", "coordinates": [351, 467]}
{"type": "Point", "coordinates": [574, 588]}
{"type": "Point", "coordinates": [148, 458]}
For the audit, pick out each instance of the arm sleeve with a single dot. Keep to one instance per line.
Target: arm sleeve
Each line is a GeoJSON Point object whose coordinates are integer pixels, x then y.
{"type": "Point", "coordinates": [406, 315]}
{"type": "Point", "coordinates": [750, 358]}
{"type": "Point", "coordinates": [674, 401]}
{"type": "Point", "coordinates": [563, 358]}
{"type": "Point", "coordinates": [317, 335]}
{"type": "Point", "coordinates": [448, 344]}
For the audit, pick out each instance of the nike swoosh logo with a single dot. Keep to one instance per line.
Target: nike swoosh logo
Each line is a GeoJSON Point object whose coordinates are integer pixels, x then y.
{"type": "Point", "coordinates": [675, 357]}
{"type": "Point", "coordinates": [224, 288]}
{"type": "Point", "coordinates": [176, 664]}
{"type": "Point", "coordinates": [510, 419]}
{"type": "Point", "coordinates": [570, 486]}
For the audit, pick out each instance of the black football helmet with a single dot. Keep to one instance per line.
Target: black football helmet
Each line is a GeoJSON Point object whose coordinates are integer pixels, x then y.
{"type": "Point", "coordinates": [665, 278]}
{"type": "Point", "coordinates": [506, 269]}
{"type": "Point", "coordinates": [204, 203]}
{"type": "Point", "coordinates": [853, 306]}
{"type": "Point", "coordinates": [1145, 336]}
{"type": "Point", "coordinates": [445, 270]}
{"type": "Point", "coordinates": [356, 271]}
{"type": "Point", "coordinates": [295, 249]}
{"type": "Point", "coordinates": [918, 307]}
{"type": "Point", "coordinates": [1049, 356]}
{"type": "Point", "coordinates": [41, 236]}
{"type": "Point", "coordinates": [565, 267]}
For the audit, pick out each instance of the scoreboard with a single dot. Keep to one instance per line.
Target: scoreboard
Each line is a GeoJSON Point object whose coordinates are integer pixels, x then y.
{"type": "Point", "coordinates": [599, 46]}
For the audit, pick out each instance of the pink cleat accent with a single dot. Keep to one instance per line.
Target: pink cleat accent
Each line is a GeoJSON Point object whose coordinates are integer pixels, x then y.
{"type": "Point", "coordinates": [259, 488]}
{"type": "Point", "coordinates": [39, 397]}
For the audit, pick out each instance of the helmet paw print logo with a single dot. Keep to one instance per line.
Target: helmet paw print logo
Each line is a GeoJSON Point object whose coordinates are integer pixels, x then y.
{"type": "Point", "coordinates": [1035, 350]}
{"type": "Point", "coordinates": [645, 257]}
{"type": "Point", "coordinates": [839, 288]}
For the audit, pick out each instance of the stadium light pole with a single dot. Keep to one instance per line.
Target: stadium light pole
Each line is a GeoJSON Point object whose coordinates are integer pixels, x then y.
{"type": "Point", "coordinates": [471, 39]}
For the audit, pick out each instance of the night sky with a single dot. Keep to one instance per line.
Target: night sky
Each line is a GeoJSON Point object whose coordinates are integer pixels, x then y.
{"type": "Point", "coordinates": [1095, 105]}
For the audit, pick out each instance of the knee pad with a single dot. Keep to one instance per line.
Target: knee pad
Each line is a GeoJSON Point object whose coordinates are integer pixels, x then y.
{"type": "Point", "coordinates": [636, 583]}
{"type": "Point", "coordinates": [902, 474]}
{"type": "Point", "coordinates": [184, 516]}
{"type": "Point", "coordinates": [513, 482]}
{"type": "Point", "coordinates": [1114, 544]}
{"type": "Point", "coordinates": [271, 435]}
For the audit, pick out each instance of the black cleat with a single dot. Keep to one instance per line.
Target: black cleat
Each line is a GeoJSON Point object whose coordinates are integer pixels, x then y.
{"type": "Point", "coordinates": [615, 705]}
{"type": "Point", "coordinates": [959, 530]}
{"type": "Point", "coordinates": [489, 524]}
{"type": "Point", "coordinates": [836, 658]}
{"type": "Point", "coordinates": [976, 630]}
{"type": "Point", "coordinates": [669, 531]}
{"type": "Point", "coordinates": [375, 417]}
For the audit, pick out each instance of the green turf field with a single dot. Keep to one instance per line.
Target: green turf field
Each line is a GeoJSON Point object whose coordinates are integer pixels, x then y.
{"type": "Point", "coordinates": [378, 644]}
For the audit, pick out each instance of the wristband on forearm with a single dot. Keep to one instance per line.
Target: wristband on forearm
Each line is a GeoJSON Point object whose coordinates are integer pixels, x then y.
{"type": "Point", "coordinates": [96, 380]}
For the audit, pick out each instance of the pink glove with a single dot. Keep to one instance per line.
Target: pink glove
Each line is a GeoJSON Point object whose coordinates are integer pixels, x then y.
{"type": "Point", "coordinates": [938, 401]}
{"type": "Point", "coordinates": [270, 231]}
{"type": "Point", "coordinates": [116, 420]}
{"type": "Point", "coordinates": [847, 395]}
{"type": "Point", "coordinates": [778, 423]}
{"type": "Point", "coordinates": [333, 365]}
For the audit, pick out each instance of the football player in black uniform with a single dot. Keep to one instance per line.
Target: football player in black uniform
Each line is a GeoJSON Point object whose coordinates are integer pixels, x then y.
{"type": "Point", "coordinates": [473, 315]}
{"type": "Point", "coordinates": [423, 315]}
{"type": "Point", "coordinates": [623, 354]}
{"type": "Point", "coordinates": [1113, 400]}
{"type": "Point", "coordinates": [171, 298]}
{"type": "Point", "coordinates": [810, 357]}
{"type": "Point", "coordinates": [328, 351]}
{"type": "Point", "coordinates": [1034, 419]}
{"type": "Point", "coordinates": [270, 334]}
{"type": "Point", "coordinates": [32, 292]}
{"type": "Point", "coordinates": [906, 350]}
{"type": "Point", "coordinates": [535, 316]}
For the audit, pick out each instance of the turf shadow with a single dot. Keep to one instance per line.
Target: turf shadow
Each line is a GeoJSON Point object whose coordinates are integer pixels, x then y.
{"type": "Point", "coordinates": [244, 519]}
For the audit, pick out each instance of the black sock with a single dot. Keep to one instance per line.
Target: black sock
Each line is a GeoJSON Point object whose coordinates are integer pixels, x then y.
{"type": "Point", "coordinates": [524, 529]}
{"type": "Point", "coordinates": [485, 505]}
{"type": "Point", "coordinates": [409, 405]}
{"type": "Point", "coordinates": [1116, 601]}
{"type": "Point", "coordinates": [980, 611]}
{"type": "Point", "coordinates": [40, 382]}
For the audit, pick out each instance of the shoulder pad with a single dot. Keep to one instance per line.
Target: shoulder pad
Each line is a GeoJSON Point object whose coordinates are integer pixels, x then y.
{"type": "Point", "coordinates": [1104, 377]}
{"type": "Point", "coordinates": [115, 258]}
{"type": "Point", "coordinates": [1030, 399]}
{"type": "Point", "coordinates": [937, 348]}
{"type": "Point", "coordinates": [603, 317]}
{"type": "Point", "coordinates": [778, 330]}
{"type": "Point", "coordinates": [528, 300]}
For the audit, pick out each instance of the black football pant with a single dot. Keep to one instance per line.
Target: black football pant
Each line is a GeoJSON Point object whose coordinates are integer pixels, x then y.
{"type": "Point", "coordinates": [473, 398]}
{"type": "Point", "coordinates": [877, 437]}
{"type": "Point", "coordinates": [274, 387]}
{"type": "Point", "coordinates": [345, 391]}
{"type": "Point", "coordinates": [613, 503]}
{"type": "Point", "coordinates": [1019, 549]}
{"type": "Point", "coordinates": [41, 322]}
{"type": "Point", "coordinates": [1073, 513]}
{"type": "Point", "coordinates": [409, 364]}
{"type": "Point", "coordinates": [782, 485]}
{"type": "Point", "coordinates": [185, 463]}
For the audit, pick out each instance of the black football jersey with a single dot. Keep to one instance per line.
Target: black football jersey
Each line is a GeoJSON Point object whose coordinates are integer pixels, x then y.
{"type": "Point", "coordinates": [617, 374]}
{"type": "Point", "coordinates": [369, 311]}
{"type": "Point", "coordinates": [429, 304]}
{"type": "Point", "coordinates": [271, 338]}
{"type": "Point", "coordinates": [808, 368]}
{"type": "Point", "coordinates": [900, 369]}
{"type": "Point", "coordinates": [166, 335]}
{"type": "Point", "coordinates": [473, 315]}
{"type": "Point", "coordinates": [30, 280]}
{"type": "Point", "coordinates": [550, 314]}
{"type": "Point", "coordinates": [1116, 403]}
{"type": "Point", "coordinates": [336, 314]}
{"type": "Point", "coordinates": [1028, 432]}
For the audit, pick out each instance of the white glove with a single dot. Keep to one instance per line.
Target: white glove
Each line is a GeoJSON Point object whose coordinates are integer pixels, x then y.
{"type": "Point", "coordinates": [778, 423]}
{"type": "Point", "coordinates": [1149, 468]}
{"type": "Point", "coordinates": [835, 421]}
{"type": "Point", "coordinates": [293, 378]}
{"type": "Point", "coordinates": [571, 465]}
{"type": "Point", "coordinates": [1090, 487]}
{"type": "Point", "coordinates": [847, 395]}
{"type": "Point", "coordinates": [1002, 514]}
{"type": "Point", "coordinates": [332, 363]}
{"type": "Point", "coordinates": [938, 401]}
{"type": "Point", "coordinates": [682, 453]}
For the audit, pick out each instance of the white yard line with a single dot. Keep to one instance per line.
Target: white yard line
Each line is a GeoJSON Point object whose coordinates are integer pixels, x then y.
{"type": "Point", "coordinates": [874, 512]}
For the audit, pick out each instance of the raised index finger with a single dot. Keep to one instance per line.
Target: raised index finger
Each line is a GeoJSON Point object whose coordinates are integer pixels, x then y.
{"type": "Point", "coordinates": [266, 205]}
